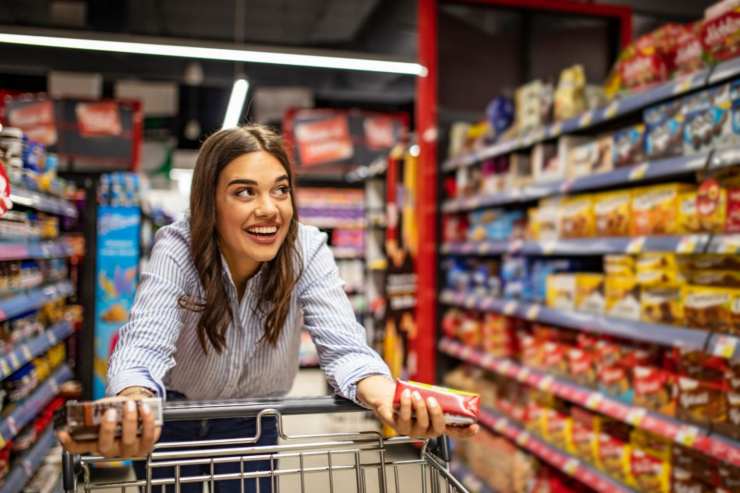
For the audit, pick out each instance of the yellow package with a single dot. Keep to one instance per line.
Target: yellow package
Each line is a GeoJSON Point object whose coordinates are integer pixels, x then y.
{"type": "Point", "coordinates": [715, 278]}
{"type": "Point", "coordinates": [656, 261]}
{"type": "Point", "coordinates": [712, 206]}
{"type": "Point", "coordinates": [655, 209]}
{"type": "Point", "coordinates": [590, 293]}
{"type": "Point", "coordinates": [560, 291]}
{"type": "Point", "coordinates": [619, 265]}
{"type": "Point", "coordinates": [662, 304]}
{"type": "Point", "coordinates": [622, 297]}
{"type": "Point", "coordinates": [577, 218]}
{"type": "Point", "coordinates": [548, 219]}
{"type": "Point", "coordinates": [688, 218]}
{"type": "Point", "coordinates": [533, 223]}
{"type": "Point", "coordinates": [612, 211]}
{"type": "Point", "coordinates": [712, 308]}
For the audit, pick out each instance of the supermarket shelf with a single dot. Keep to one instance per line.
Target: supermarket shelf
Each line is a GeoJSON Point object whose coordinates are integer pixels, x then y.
{"type": "Point", "coordinates": [34, 249]}
{"type": "Point", "coordinates": [34, 299]}
{"type": "Point", "coordinates": [695, 243]}
{"type": "Point", "coordinates": [31, 461]}
{"type": "Point", "coordinates": [616, 109]}
{"type": "Point", "coordinates": [687, 434]}
{"type": "Point", "coordinates": [42, 202]}
{"type": "Point", "coordinates": [27, 411]}
{"type": "Point", "coordinates": [666, 335]}
{"type": "Point", "coordinates": [469, 479]}
{"type": "Point", "coordinates": [36, 346]}
{"type": "Point", "coordinates": [557, 458]}
{"type": "Point", "coordinates": [347, 253]}
{"type": "Point", "coordinates": [628, 175]}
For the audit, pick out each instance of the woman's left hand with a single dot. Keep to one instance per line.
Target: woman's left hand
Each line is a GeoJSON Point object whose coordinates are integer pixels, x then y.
{"type": "Point", "coordinates": [377, 392]}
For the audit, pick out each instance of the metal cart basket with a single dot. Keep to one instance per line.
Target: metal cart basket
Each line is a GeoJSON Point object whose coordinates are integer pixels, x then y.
{"type": "Point", "coordinates": [365, 462]}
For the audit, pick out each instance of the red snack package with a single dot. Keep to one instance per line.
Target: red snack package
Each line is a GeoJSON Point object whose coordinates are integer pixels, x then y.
{"type": "Point", "coordinates": [721, 36]}
{"type": "Point", "coordinates": [460, 408]}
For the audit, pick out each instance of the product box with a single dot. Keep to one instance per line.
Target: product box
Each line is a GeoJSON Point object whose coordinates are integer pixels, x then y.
{"type": "Point", "coordinates": [654, 389]}
{"type": "Point", "coordinates": [629, 146]}
{"type": "Point", "coordinates": [583, 433]}
{"type": "Point", "coordinates": [716, 309]}
{"type": "Point", "coordinates": [664, 130]}
{"type": "Point", "coordinates": [714, 278]}
{"type": "Point", "coordinates": [689, 50]}
{"type": "Point", "coordinates": [688, 217]}
{"type": "Point", "coordinates": [622, 297]}
{"type": "Point", "coordinates": [548, 219]}
{"type": "Point", "coordinates": [581, 367]}
{"type": "Point", "coordinates": [577, 219]}
{"type": "Point", "coordinates": [532, 101]}
{"type": "Point", "coordinates": [662, 304]}
{"type": "Point", "coordinates": [708, 119]}
{"type": "Point", "coordinates": [718, 206]}
{"type": "Point", "coordinates": [720, 36]}
{"type": "Point", "coordinates": [650, 473]}
{"type": "Point", "coordinates": [497, 335]}
{"type": "Point", "coordinates": [700, 401]}
{"type": "Point", "coordinates": [590, 293]}
{"type": "Point", "coordinates": [561, 291]}
{"type": "Point", "coordinates": [710, 261]}
{"type": "Point", "coordinates": [619, 265]}
{"type": "Point", "coordinates": [555, 358]}
{"type": "Point", "coordinates": [614, 380]}
{"type": "Point", "coordinates": [592, 157]}
{"type": "Point", "coordinates": [613, 451]}
{"type": "Point", "coordinates": [520, 171]}
{"type": "Point", "coordinates": [613, 213]}
{"type": "Point", "coordinates": [556, 427]}
{"type": "Point", "coordinates": [546, 163]}
{"type": "Point", "coordinates": [655, 209]}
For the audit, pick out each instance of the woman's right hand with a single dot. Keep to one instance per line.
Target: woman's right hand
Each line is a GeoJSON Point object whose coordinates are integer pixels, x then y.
{"type": "Point", "coordinates": [130, 444]}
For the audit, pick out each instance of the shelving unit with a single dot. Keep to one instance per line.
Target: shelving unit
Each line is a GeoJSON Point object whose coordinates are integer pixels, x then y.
{"type": "Point", "coordinates": [722, 345]}
{"type": "Point", "coordinates": [42, 202]}
{"type": "Point", "coordinates": [600, 482]}
{"type": "Point", "coordinates": [469, 479]}
{"type": "Point", "coordinates": [34, 299]}
{"type": "Point", "coordinates": [26, 352]}
{"type": "Point", "coordinates": [29, 464]}
{"type": "Point", "coordinates": [34, 250]}
{"type": "Point", "coordinates": [684, 433]}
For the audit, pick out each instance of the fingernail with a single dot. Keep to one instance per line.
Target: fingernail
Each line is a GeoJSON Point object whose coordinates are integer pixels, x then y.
{"type": "Point", "coordinates": [111, 415]}
{"type": "Point", "coordinates": [432, 402]}
{"type": "Point", "coordinates": [145, 409]}
{"type": "Point", "coordinates": [406, 394]}
{"type": "Point", "coordinates": [417, 395]}
{"type": "Point", "coordinates": [131, 406]}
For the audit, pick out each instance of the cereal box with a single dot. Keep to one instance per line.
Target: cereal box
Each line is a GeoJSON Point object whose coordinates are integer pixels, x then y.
{"type": "Point", "coordinates": [711, 308]}
{"type": "Point", "coordinates": [688, 218]}
{"type": "Point", "coordinates": [708, 118]}
{"type": "Point", "coordinates": [664, 130]}
{"type": "Point", "coordinates": [654, 389]}
{"type": "Point", "coordinates": [613, 212]}
{"type": "Point", "coordinates": [561, 291]}
{"type": "Point", "coordinates": [622, 295]}
{"type": "Point", "coordinates": [629, 146]}
{"type": "Point", "coordinates": [655, 209]}
{"type": "Point", "coordinates": [577, 218]}
{"type": "Point", "coordinates": [662, 304]}
{"type": "Point", "coordinates": [590, 293]}
{"type": "Point", "coordinates": [591, 157]}
{"type": "Point", "coordinates": [720, 36]}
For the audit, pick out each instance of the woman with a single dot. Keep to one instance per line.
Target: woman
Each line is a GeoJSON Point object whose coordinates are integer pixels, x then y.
{"type": "Point", "coordinates": [217, 314]}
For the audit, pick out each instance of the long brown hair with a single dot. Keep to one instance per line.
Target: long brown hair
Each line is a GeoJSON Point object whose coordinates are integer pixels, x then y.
{"type": "Point", "coordinates": [279, 275]}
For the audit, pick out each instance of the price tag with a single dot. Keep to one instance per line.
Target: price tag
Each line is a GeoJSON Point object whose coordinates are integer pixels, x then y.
{"type": "Point", "coordinates": [5, 368]}
{"type": "Point", "coordinates": [515, 246]}
{"type": "Point", "coordinates": [465, 352]}
{"type": "Point", "coordinates": [26, 353]}
{"type": "Point", "coordinates": [725, 346]}
{"type": "Point", "coordinates": [52, 338]}
{"type": "Point", "coordinates": [27, 467]}
{"type": "Point", "coordinates": [487, 361]}
{"type": "Point", "coordinates": [470, 301]}
{"type": "Point", "coordinates": [522, 438]}
{"type": "Point", "coordinates": [54, 386]}
{"type": "Point", "coordinates": [729, 244]}
{"type": "Point", "coordinates": [523, 374]}
{"type": "Point", "coordinates": [556, 129]}
{"type": "Point", "coordinates": [14, 363]}
{"type": "Point", "coordinates": [504, 366]}
{"type": "Point", "coordinates": [594, 400]}
{"type": "Point", "coordinates": [683, 85]}
{"type": "Point", "coordinates": [548, 247]}
{"type": "Point", "coordinates": [612, 109]}
{"type": "Point", "coordinates": [546, 383]}
{"type": "Point", "coordinates": [499, 425]}
{"type": "Point", "coordinates": [687, 435]}
{"type": "Point", "coordinates": [636, 245]}
{"type": "Point", "coordinates": [638, 172]}
{"type": "Point", "coordinates": [510, 308]}
{"type": "Point", "coordinates": [483, 247]}
{"type": "Point", "coordinates": [571, 466]}
{"type": "Point", "coordinates": [12, 426]}
{"type": "Point", "coordinates": [566, 185]}
{"type": "Point", "coordinates": [687, 244]}
{"type": "Point", "coordinates": [533, 312]}
{"type": "Point", "coordinates": [636, 415]}
{"type": "Point", "coordinates": [586, 119]}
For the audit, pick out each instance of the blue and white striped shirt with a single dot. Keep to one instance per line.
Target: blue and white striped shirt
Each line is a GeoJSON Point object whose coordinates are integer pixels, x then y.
{"type": "Point", "coordinates": [158, 348]}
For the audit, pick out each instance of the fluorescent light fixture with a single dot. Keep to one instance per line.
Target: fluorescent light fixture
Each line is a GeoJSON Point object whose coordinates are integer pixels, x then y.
{"type": "Point", "coordinates": [236, 103]}
{"type": "Point", "coordinates": [224, 54]}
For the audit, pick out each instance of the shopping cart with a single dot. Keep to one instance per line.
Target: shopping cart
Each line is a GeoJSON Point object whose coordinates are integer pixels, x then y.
{"type": "Point", "coordinates": [338, 462]}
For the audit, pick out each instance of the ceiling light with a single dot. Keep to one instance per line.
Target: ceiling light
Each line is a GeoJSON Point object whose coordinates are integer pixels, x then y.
{"type": "Point", "coordinates": [212, 53]}
{"type": "Point", "coordinates": [236, 103]}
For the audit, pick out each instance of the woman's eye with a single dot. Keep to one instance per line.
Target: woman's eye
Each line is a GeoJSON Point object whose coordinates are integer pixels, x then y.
{"type": "Point", "coordinates": [283, 190]}
{"type": "Point", "coordinates": [245, 192]}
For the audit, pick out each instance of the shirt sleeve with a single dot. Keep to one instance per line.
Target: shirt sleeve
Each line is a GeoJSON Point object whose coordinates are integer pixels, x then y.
{"type": "Point", "coordinates": [329, 318]}
{"type": "Point", "coordinates": [146, 344]}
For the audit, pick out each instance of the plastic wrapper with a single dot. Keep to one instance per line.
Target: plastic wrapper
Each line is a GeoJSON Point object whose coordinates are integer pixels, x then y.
{"type": "Point", "coordinates": [460, 408]}
{"type": "Point", "coordinates": [82, 419]}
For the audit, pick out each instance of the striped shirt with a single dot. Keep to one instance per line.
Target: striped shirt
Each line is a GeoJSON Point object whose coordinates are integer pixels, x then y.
{"type": "Point", "coordinates": [158, 348]}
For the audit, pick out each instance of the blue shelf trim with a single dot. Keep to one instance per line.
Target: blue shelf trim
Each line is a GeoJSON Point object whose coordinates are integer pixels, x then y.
{"type": "Point", "coordinates": [616, 109]}
{"type": "Point", "coordinates": [469, 479]}
{"type": "Point", "coordinates": [33, 300]}
{"type": "Point", "coordinates": [29, 464]}
{"type": "Point", "coordinates": [667, 335]}
{"type": "Point", "coordinates": [696, 243]}
{"type": "Point", "coordinates": [24, 353]}
{"type": "Point", "coordinates": [32, 406]}
{"type": "Point", "coordinates": [42, 202]}
{"type": "Point", "coordinates": [34, 249]}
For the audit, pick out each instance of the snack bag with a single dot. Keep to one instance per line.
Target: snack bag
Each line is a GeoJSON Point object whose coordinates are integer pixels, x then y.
{"type": "Point", "coordinates": [689, 50]}
{"type": "Point", "coordinates": [82, 419]}
{"type": "Point", "coordinates": [577, 217]}
{"type": "Point", "coordinates": [720, 36]}
{"type": "Point", "coordinates": [629, 146]}
{"type": "Point", "coordinates": [613, 211]}
{"type": "Point", "coordinates": [664, 130]}
{"type": "Point", "coordinates": [460, 408]}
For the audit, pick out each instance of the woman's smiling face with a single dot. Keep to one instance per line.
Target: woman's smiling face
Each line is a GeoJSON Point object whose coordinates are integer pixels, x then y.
{"type": "Point", "coordinates": [254, 209]}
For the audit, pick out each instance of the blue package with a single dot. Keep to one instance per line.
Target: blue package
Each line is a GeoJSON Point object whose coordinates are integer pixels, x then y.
{"type": "Point", "coordinates": [664, 130]}
{"type": "Point", "coordinates": [500, 114]}
{"type": "Point", "coordinates": [629, 146]}
{"type": "Point", "coordinates": [502, 227]}
{"type": "Point", "coordinates": [708, 115]}
{"type": "Point", "coordinates": [459, 276]}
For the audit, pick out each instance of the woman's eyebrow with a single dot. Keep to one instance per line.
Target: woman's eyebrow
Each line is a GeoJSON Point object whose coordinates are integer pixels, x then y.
{"type": "Point", "coordinates": [241, 181]}
{"type": "Point", "coordinates": [281, 178]}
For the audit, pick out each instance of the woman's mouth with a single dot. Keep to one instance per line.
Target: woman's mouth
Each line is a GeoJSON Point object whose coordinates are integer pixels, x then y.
{"type": "Point", "coordinates": [264, 235]}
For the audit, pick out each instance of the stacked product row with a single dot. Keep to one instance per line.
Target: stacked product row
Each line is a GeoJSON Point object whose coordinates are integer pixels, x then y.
{"type": "Point", "coordinates": [636, 458]}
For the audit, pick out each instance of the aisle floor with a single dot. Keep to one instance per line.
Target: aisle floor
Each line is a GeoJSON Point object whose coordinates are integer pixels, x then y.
{"type": "Point", "coordinates": [312, 382]}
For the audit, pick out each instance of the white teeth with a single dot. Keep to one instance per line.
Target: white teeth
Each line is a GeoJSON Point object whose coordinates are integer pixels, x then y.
{"type": "Point", "coordinates": [264, 230]}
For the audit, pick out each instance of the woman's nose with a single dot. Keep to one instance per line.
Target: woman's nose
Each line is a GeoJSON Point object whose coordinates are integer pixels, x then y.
{"type": "Point", "coordinates": [266, 207]}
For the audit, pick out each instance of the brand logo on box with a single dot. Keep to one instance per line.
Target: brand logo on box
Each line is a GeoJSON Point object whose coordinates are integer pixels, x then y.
{"type": "Point", "coordinates": [99, 119]}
